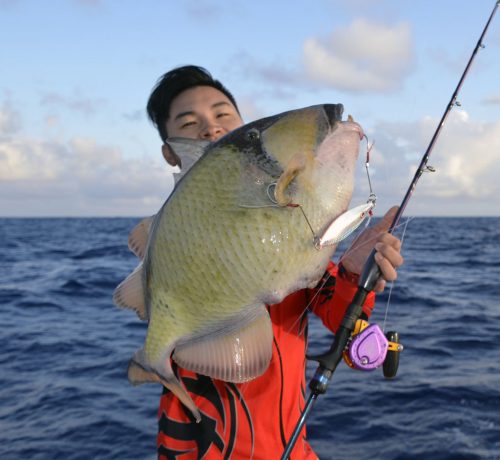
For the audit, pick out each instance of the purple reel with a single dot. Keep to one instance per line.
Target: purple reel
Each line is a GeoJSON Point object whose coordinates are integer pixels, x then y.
{"type": "Point", "coordinates": [368, 349]}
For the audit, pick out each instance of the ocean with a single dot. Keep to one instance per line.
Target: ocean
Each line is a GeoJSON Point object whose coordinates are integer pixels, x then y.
{"type": "Point", "coordinates": [64, 349]}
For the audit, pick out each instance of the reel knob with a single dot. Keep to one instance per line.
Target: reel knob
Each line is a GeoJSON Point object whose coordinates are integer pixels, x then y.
{"type": "Point", "coordinates": [391, 362]}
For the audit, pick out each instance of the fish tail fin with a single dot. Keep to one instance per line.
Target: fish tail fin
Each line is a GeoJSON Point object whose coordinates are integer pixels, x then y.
{"type": "Point", "coordinates": [138, 373]}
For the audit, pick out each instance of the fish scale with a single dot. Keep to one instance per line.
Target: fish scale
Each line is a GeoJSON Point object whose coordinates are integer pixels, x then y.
{"type": "Point", "coordinates": [221, 248]}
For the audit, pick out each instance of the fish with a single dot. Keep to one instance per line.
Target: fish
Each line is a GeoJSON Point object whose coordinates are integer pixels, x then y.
{"type": "Point", "coordinates": [236, 234]}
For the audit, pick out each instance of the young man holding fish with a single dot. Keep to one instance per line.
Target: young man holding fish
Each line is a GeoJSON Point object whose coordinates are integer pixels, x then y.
{"type": "Point", "coordinates": [253, 419]}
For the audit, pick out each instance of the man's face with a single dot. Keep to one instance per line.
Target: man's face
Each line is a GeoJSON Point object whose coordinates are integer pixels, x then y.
{"type": "Point", "coordinates": [202, 112]}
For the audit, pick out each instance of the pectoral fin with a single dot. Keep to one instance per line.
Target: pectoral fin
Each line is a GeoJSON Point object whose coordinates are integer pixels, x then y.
{"type": "Point", "coordinates": [294, 167]}
{"type": "Point", "coordinates": [239, 356]}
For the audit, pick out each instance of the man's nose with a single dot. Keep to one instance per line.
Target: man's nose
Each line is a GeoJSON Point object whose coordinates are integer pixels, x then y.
{"type": "Point", "coordinates": [211, 131]}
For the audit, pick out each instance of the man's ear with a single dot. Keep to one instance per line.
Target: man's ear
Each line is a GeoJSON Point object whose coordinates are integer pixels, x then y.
{"type": "Point", "coordinates": [170, 156]}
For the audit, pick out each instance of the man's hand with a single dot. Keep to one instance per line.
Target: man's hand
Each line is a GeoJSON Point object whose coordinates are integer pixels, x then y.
{"type": "Point", "coordinates": [388, 247]}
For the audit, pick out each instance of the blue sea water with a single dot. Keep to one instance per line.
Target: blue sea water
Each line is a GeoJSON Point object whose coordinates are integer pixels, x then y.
{"type": "Point", "coordinates": [64, 350]}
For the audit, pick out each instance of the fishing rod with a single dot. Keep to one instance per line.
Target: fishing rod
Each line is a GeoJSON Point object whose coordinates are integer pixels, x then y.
{"type": "Point", "coordinates": [329, 361]}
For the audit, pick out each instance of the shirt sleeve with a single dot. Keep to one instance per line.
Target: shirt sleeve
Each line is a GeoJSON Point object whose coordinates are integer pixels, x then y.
{"type": "Point", "coordinates": [333, 294]}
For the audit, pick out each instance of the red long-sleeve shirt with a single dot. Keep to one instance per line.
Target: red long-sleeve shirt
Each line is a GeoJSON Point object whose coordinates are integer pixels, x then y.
{"type": "Point", "coordinates": [254, 420]}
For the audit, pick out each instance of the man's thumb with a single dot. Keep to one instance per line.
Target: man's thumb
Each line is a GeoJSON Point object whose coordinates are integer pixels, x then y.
{"type": "Point", "coordinates": [383, 224]}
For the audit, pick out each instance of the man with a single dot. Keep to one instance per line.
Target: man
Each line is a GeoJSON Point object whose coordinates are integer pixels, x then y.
{"type": "Point", "coordinates": [255, 419]}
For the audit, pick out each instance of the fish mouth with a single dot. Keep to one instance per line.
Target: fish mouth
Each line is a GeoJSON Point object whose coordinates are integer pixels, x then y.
{"type": "Point", "coordinates": [334, 113]}
{"type": "Point", "coordinates": [351, 125]}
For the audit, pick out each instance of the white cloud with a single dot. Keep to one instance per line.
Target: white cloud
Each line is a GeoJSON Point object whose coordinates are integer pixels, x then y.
{"type": "Point", "coordinates": [10, 119]}
{"type": "Point", "coordinates": [493, 99]}
{"type": "Point", "coordinates": [364, 56]}
{"type": "Point", "coordinates": [278, 75]}
{"type": "Point", "coordinates": [202, 10]}
{"type": "Point", "coordinates": [465, 157]}
{"type": "Point", "coordinates": [78, 177]}
{"type": "Point", "coordinates": [77, 103]}
{"type": "Point", "coordinates": [135, 115]}
{"type": "Point", "coordinates": [249, 109]}
{"type": "Point", "coordinates": [83, 177]}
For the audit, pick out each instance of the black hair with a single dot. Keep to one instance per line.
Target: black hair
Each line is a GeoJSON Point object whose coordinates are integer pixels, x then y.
{"type": "Point", "coordinates": [171, 85]}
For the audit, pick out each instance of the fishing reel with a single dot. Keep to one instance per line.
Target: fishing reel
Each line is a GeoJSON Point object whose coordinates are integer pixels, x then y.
{"type": "Point", "coordinates": [369, 349]}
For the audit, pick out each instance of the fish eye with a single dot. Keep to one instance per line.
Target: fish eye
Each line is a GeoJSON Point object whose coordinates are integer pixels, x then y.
{"type": "Point", "coordinates": [252, 135]}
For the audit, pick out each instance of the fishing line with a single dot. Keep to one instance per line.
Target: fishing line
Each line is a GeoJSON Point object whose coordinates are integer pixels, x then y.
{"type": "Point", "coordinates": [367, 162]}
{"type": "Point", "coordinates": [328, 362]}
{"type": "Point", "coordinates": [372, 198]}
{"type": "Point", "coordinates": [318, 288]}
{"type": "Point", "coordinates": [344, 224]}
{"type": "Point", "coordinates": [307, 308]}
{"type": "Point", "coordinates": [369, 241]}
{"type": "Point", "coordinates": [391, 284]}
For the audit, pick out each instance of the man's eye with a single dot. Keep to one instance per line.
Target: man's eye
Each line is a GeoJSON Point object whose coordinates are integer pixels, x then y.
{"type": "Point", "coordinates": [224, 114]}
{"type": "Point", "coordinates": [187, 124]}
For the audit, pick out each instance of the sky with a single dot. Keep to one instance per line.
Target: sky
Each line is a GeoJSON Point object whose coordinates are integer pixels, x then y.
{"type": "Point", "coordinates": [75, 76]}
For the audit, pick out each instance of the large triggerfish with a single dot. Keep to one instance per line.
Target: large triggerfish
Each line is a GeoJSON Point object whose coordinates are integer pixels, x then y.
{"type": "Point", "coordinates": [237, 233]}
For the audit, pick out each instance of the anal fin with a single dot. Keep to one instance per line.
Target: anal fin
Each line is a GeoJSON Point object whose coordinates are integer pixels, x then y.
{"type": "Point", "coordinates": [139, 374]}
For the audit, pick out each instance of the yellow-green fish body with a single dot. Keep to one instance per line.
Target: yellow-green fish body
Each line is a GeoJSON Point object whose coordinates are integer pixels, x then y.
{"type": "Point", "coordinates": [237, 233]}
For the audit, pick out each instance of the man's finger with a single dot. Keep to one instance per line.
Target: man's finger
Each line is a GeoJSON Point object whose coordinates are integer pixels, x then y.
{"type": "Point", "coordinates": [390, 253]}
{"type": "Point", "coordinates": [380, 286]}
{"type": "Point", "coordinates": [387, 239]}
{"type": "Point", "coordinates": [383, 224]}
{"type": "Point", "coordinates": [387, 269]}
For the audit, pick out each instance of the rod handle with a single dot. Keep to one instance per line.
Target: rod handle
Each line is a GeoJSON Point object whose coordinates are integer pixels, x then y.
{"type": "Point", "coordinates": [370, 274]}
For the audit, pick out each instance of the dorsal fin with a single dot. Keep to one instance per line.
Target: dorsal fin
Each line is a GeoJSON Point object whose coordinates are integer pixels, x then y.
{"type": "Point", "coordinates": [189, 152]}
{"type": "Point", "coordinates": [138, 238]}
{"type": "Point", "coordinates": [130, 294]}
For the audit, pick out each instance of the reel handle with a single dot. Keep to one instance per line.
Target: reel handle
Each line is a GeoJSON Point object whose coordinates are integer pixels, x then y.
{"type": "Point", "coordinates": [391, 362]}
